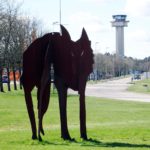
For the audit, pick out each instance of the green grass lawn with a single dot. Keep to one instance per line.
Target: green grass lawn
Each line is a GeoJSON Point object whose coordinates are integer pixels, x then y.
{"type": "Point", "coordinates": [142, 86]}
{"type": "Point", "coordinates": [111, 124]}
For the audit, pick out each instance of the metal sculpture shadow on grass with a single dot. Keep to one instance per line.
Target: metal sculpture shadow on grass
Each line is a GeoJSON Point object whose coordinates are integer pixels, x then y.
{"type": "Point", "coordinates": [72, 63]}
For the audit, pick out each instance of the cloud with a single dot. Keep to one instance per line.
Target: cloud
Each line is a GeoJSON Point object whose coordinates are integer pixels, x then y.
{"type": "Point", "coordinates": [138, 8]}
{"type": "Point", "coordinates": [140, 35]}
{"type": "Point", "coordinates": [91, 22]}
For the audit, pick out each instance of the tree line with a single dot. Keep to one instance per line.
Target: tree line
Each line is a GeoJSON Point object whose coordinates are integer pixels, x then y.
{"type": "Point", "coordinates": [109, 65]}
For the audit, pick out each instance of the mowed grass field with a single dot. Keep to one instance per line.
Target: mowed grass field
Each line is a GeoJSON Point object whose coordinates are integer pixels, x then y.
{"type": "Point", "coordinates": [111, 124]}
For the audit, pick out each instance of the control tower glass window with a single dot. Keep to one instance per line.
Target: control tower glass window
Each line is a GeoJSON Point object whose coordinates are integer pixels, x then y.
{"type": "Point", "coordinates": [119, 17]}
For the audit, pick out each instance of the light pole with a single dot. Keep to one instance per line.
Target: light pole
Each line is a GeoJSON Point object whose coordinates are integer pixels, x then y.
{"type": "Point", "coordinates": [55, 23]}
{"type": "Point", "coordinates": [60, 11]}
{"type": "Point", "coordinates": [147, 68]}
{"type": "Point", "coordinates": [96, 43]}
{"type": "Point", "coordinates": [113, 61]}
{"type": "Point", "coordinates": [107, 49]}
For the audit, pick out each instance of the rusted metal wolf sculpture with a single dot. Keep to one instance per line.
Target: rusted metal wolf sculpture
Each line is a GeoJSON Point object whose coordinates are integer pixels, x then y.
{"type": "Point", "coordinates": [72, 63]}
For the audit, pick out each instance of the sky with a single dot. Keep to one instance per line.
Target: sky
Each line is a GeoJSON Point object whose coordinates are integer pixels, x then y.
{"type": "Point", "coordinates": [96, 16]}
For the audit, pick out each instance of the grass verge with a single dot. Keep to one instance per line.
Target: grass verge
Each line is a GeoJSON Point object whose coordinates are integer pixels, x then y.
{"type": "Point", "coordinates": [142, 86]}
{"type": "Point", "coordinates": [111, 124]}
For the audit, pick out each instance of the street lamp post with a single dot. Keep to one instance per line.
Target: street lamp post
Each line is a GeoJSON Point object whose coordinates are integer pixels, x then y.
{"type": "Point", "coordinates": [55, 23]}
{"type": "Point", "coordinates": [96, 43]}
{"type": "Point", "coordinates": [60, 11]}
{"type": "Point", "coordinates": [147, 68]}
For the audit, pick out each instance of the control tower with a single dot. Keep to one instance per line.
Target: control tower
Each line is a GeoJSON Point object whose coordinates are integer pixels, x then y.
{"type": "Point", "coordinates": [119, 22]}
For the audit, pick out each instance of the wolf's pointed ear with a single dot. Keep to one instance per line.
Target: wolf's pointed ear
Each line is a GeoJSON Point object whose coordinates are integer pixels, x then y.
{"type": "Point", "coordinates": [84, 35]}
{"type": "Point", "coordinates": [65, 33]}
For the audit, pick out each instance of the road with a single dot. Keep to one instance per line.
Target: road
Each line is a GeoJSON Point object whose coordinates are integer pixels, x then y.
{"type": "Point", "coordinates": [115, 89]}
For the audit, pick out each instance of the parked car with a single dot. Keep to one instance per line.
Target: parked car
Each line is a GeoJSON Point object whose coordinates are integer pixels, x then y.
{"type": "Point", "coordinates": [5, 79]}
{"type": "Point", "coordinates": [137, 76]}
